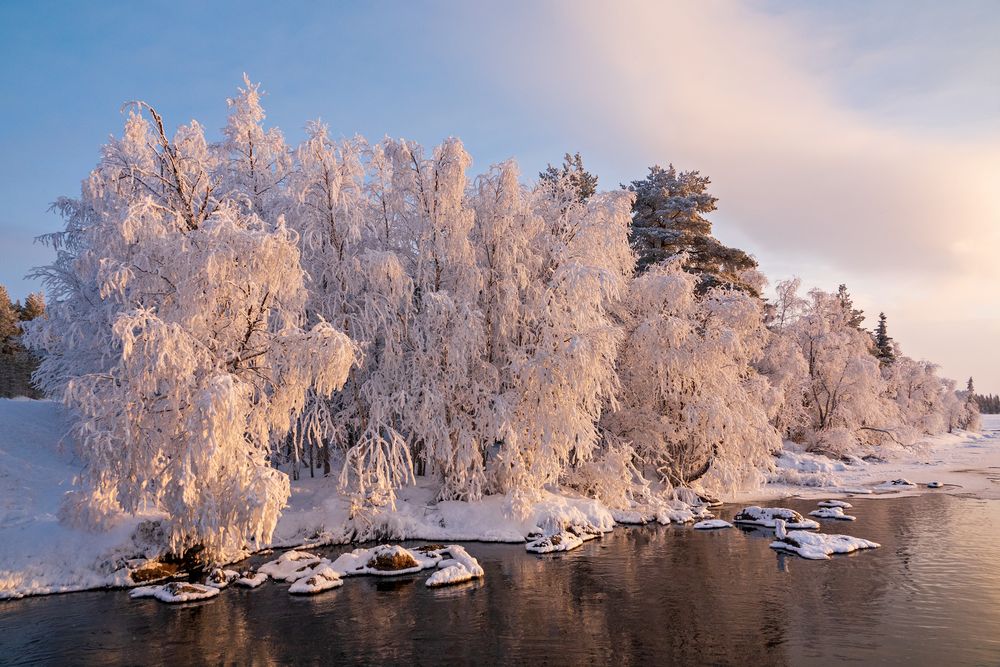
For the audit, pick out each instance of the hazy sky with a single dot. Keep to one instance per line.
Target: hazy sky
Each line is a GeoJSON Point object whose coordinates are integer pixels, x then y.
{"type": "Point", "coordinates": [848, 142]}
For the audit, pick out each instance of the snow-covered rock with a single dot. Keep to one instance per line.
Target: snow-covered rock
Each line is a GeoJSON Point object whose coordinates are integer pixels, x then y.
{"type": "Point", "coordinates": [251, 579]}
{"type": "Point", "coordinates": [817, 546]}
{"type": "Point", "coordinates": [712, 524]}
{"type": "Point", "coordinates": [835, 503]}
{"type": "Point", "coordinates": [457, 566]}
{"type": "Point", "coordinates": [563, 541]}
{"type": "Point", "coordinates": [934, 485]}
{"type": "Point", "coordinates": [175, 591]}
{"type": "Point", "coordinates": [384, 560]}
{"type": "Point", "coordinates": [894, 484]}
{"type": "Point", "coordinates": [322, 578]}
{"type": "Point", "coordinates": [290, 566]}
{"type": "Point", "coordinates": [832, 513]}
{"type": "Point", "coordinates": [767, 516]}
{"type": "Point", "coordinates": [219, 578]}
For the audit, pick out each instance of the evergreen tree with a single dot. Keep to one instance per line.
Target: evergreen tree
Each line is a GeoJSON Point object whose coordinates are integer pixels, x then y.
{"type": "Point", "coordinates": [883, 343]}
{"type": "Point", "coordinates": [856, 318]}
{"type": "Point", "coordinates": [9, 328]}
{"type": "Point", "coordinates": [580, 180]}
{"type": "Point", "coordinates": [668, 218]}
{"type": "Point", "coordinates": [34, 307]}
{"type": "Point", "coordinates": [970, 387]}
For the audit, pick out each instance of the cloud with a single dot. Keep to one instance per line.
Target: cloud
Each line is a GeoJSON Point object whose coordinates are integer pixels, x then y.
{"type": "Point", "coordinates": [816, 180]}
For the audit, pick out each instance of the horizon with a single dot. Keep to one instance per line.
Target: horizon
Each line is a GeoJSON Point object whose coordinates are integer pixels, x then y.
{"type": "Point", "coordinates": [910, 131]}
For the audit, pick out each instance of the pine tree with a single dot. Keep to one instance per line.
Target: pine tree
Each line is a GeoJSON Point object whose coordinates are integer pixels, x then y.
{"type": "Point", "coordinates": [34, 307]}
{"type": "Point", "coordinates": [581, 181]}
{"type": "Point", "coordinates": [856, 318]}
{"type": "Point", "coordinates": [668, 219]}
{"type": "Point", "coordinates": [883, 342]}
{"type": "Point", "coordinates": [9, 328]}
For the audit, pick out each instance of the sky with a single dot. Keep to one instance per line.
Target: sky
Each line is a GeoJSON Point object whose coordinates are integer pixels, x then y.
{"type": "Point", "coordinates": [848, 142]}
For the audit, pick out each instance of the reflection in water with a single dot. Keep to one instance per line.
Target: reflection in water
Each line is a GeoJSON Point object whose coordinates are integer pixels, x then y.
{"type": "Point", "coordinates": [638, 596]}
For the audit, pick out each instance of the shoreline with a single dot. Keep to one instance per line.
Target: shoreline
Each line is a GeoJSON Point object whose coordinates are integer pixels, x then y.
{"type": "Point", "coordinates": [40, 556]}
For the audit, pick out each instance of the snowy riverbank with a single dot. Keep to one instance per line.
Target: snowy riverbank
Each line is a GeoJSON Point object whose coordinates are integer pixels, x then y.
{"type": "Point", "coordinates": [38, 554]}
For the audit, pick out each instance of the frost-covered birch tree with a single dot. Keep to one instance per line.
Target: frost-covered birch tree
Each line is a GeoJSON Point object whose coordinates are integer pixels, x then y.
{"type": "Point", "coordinates": [175, 339]}
{"type": "Point", "coordinates": [691, 403]}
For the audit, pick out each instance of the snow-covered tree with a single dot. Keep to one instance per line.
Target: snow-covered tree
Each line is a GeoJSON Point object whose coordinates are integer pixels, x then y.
{"type": "Point", "coordinates": [254, 164]}
{"type": "Point", "coordinates": [564, 373]}
{"type": "Point", "coordinates": [669, 220]}
{"type": "Point", "coordinates": [691, 404]}
{"type": "Point", "coordinates": [572, 172]}
{"type": "Point", "coordinates": [175, 338]}
{"type": "Point", "coordinates": [884, 348]}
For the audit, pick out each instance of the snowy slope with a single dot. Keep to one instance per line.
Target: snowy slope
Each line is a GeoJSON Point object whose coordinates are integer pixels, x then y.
{"type": "Point", "coordinates": [38, 554]}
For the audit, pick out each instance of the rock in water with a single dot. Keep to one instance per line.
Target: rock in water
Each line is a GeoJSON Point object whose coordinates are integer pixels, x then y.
{"type": "Point", "coordinates": [767, 516]}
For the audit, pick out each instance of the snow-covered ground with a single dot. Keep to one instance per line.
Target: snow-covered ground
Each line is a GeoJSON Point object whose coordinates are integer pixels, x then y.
{"type": "Point", "coordinates": [38, 554]}
{"type": "Point", "coordinates": [967, 463]}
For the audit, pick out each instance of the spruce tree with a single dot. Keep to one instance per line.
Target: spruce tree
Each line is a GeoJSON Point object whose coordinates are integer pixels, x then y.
{"type": "Point", "coordinates": [856, 318]}
{"type": "Point", "coordinates": [581, 180]}
{"type": "Point", "coordinates": [34, 307]}
{"type": "Point", "coordinates": [9, 317]}
{"type": "Point", "coordinates": [668, 218]}
{"type": "Point", "coordinates": [883, 342]}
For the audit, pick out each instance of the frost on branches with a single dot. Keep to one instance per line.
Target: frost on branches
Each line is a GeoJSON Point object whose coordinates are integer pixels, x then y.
{"type": "Point", "coordinates": [175, 336]}
{"type": "Point", "coordinates": [223, 312]}
{"type": "Point", "coordinates": [691, 402]}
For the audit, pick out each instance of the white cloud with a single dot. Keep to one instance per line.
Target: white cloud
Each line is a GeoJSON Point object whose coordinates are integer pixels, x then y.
{"type": "Point", "coordinates": [908, 217]}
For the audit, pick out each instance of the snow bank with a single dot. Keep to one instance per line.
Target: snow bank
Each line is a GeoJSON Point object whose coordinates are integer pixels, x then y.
{"type": "Point", "coordinates": [175, 591]}
{"type": "Point", "coordinates": [768, 517]}
{"type": "Point", "coordinates": [38, 553]}
{"type": "Point", "coordinates": [712, 524]}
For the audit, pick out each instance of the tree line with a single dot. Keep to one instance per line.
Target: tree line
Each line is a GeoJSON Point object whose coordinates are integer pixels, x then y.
{"type": "Point", "coordinates": [224, 313]}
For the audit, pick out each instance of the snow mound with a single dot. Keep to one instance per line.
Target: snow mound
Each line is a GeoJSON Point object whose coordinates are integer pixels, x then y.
{"type": "Point", "coordinates": [768, 516]}
{"type": "Point", "coordinates": [665, 511]}
{"type": "Point", "coordinates": [712, 524]}
{"type": "Point", "coordinates": [801, 468]}
{"type": "Point", "coordinates": [563, 541]}
{"type": "Point", "coordinates": [456, 567]}
{"type": "Point", "coordinates": [290, 566]}
{"type": "Point", "coordinates": [385, 560]}
{"type": "Point", "coordinates": [175, 591]}
{"type": "Point", "coordinates": [251, 579]}
{"type": "Point", "coordinates": [817, 546]}
{"type": "Point", "coordinates": [220, 578]}
{"type": "Point", "coordinates": [832, 513]}
{"type": "Point", "coordinates": [835, 503]}
{"type": "Point", "coordinates": [322, 578]}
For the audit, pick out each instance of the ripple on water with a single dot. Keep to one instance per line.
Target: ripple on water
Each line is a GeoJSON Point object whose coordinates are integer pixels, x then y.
{"type": "Point", "coordinates": [656, 594]}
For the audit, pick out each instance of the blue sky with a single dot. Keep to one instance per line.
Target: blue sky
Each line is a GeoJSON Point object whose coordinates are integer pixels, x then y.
{"type": "Point", "coordinates": [848, 142]}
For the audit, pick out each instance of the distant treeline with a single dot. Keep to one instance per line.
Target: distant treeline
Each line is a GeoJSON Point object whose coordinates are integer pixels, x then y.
{"type": "Point", "coordinates": [989, 404]}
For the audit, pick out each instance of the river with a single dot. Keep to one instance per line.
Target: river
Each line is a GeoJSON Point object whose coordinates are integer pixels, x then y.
{"type": "Point", "coordinates": [641, 595]}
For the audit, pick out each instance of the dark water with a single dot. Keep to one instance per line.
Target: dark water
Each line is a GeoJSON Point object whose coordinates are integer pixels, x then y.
{"type": "Point", "coordinates": [647, 595]}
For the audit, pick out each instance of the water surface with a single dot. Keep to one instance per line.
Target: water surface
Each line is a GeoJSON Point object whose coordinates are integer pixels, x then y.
{"type": "Point", "coordinates": [645, 595]}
